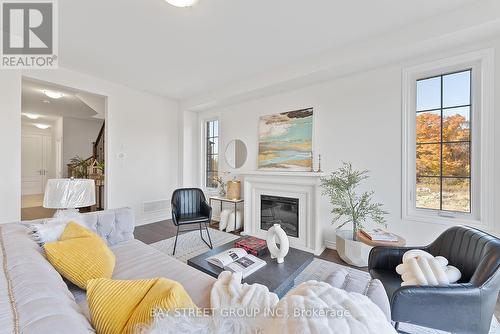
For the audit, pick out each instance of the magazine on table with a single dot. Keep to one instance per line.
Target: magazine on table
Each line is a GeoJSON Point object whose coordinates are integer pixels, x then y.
{"type": "Point", "coordinates": [380, 235]}
{"type": "Point", "coordinates": [237, 260]}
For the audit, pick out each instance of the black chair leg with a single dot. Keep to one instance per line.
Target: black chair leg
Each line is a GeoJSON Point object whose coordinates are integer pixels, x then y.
{"type": "Point", "coordinates": [208, 233]}
{"type": "Point", "coordinates": [176, 236]}
{"type": "Point", "coordinates": [209, 239]}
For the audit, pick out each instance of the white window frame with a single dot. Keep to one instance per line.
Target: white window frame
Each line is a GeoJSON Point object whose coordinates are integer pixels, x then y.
{"type": "Point", "coordinates": [203, 126]}
{"type": "Point", "coordinates": [482, 132]}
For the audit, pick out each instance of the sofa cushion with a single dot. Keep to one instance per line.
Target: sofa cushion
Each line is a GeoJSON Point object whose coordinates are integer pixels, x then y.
{"type": "Point", "coordinates": [33, 295]}
{"type": "Point", "coordinates": [121, 306]}
{"type": "Point", "coordinates": [136, 260]}
{"type": "Point", "coordinates": [80, 255]}
{"type": "Point", "coordinates": [361, 282]}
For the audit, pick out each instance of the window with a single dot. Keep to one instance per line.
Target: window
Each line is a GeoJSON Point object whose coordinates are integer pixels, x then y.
{"type": "Point", "coordinates": [448, 141]}
{"type": "Point", "coordinates": [211, 153]}
{"type": "Point", "coordinates": [443, 142]}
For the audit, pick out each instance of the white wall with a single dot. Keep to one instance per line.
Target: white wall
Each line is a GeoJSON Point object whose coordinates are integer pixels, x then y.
{"type": "Point", "coordinates": [142, 141]}
{"type": "Point", "coordinates": [58, 148]}
{"type": "Point", "coordinates": [78, 138]}
{"type": "Point", "coordinates": [357, 119]}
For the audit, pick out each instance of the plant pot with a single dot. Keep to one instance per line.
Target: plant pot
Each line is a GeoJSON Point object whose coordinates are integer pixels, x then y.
{"type": "Point", "coordinates": [352, 252]}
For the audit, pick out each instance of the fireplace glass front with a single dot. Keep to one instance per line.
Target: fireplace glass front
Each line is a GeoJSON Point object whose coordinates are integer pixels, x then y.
{"type": "Point", "coordinates": [280, 210]}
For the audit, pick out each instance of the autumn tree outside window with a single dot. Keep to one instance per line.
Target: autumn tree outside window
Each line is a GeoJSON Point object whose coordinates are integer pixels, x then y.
{"type": "Point", "coordinates": [448, 165]}
{"type": "Point", "coordinates": [443, 142]}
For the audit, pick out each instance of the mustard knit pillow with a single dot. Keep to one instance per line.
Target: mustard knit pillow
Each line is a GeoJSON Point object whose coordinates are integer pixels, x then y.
{"type": "Point", "coordinates": [120, 306]}
{"type": "Point", "coordinates": [80, 255]}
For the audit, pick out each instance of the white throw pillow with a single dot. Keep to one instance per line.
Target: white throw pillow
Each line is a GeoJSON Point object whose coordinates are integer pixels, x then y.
{"type": "Point", "coordinates": [223, 219]}
{"type": "Point", "coordinates": [51, 230]}
{"type": "Point", "coordinates": [422, 268]}
{"type": "Point", "coordinates": [231, 224]}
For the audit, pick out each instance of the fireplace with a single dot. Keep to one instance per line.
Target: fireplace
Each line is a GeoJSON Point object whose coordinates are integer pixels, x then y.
{"type": "Point", "coordinates": [280, 210]}
{"type": "Point", "coordinates": [288, 198]}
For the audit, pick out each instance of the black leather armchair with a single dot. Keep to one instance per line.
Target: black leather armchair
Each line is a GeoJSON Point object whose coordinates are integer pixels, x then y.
{"type": "Point", "coordinates": [464, 307]}
{"type": "Point", "coordinates": [189, 206]}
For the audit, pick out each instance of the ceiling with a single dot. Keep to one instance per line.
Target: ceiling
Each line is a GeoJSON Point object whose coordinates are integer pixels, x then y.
{"type": "Point", "coordinates": [74, 103]}
{"type": "Point", "coordinates": [184, 52]}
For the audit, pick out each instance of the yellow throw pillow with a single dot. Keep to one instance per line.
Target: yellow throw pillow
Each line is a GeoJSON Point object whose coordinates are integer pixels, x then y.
{"type": "Point", "coordinates": [80, 255]}
{"type": "Point", "coordinates": [118, 306]}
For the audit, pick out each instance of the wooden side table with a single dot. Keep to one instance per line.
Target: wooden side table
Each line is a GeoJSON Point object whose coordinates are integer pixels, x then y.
{"type": "Point", "coordinates": [227, 200]}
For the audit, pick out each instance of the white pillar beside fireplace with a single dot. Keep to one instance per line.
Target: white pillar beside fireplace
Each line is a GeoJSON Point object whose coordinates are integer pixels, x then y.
{"type": "Point", "coordinates": [300, 185]}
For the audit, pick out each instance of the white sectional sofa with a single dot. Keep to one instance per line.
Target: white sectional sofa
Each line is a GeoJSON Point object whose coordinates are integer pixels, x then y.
{"type": "Point", "coordinates": [35, 299]}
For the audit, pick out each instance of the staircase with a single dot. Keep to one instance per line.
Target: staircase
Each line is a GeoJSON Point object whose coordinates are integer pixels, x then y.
{"type": "Point", "coordinates": [90, 169]}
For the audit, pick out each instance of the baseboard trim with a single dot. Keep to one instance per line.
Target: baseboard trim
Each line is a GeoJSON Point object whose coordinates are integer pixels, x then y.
{"type": "Point", "coordinates": [153, 218]}
{"type": "Point", "coordinates": [331, 244]}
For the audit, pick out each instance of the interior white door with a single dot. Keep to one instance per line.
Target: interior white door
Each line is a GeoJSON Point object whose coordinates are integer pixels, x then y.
{"type": "Point", "coordinates": [35, 160]}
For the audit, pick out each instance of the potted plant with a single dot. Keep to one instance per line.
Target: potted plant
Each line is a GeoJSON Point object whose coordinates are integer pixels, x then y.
{"type": "Point", "coordinates": [347, 203]}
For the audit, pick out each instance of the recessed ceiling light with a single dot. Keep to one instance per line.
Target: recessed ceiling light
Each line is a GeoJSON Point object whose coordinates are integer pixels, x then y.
{"type": "Point", "coordinates": [53, 94]}
{"type": "Point", "coordinates": [45, 101]}
{"type": "Point", "coordinates": [182, 3]}
{"type": "Point", "coordinates": [42, 126]}
{"type": "Point", "coordinates": [31, 116]}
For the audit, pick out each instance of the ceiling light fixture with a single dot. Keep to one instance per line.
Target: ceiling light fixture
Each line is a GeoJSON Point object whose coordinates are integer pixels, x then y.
{"type": "Point", "coordinates": [42, 126]}
{"type": "Point", "coordinates": [31, 116]}
{"type": "Point", "coordinates": [45, 101]}
{"type": "Point", "coordinates": [182, 3]}
{"type": "Point", "coordinates": [53, 94]}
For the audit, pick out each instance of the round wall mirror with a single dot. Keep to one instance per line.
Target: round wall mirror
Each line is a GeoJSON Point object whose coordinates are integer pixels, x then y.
{"type": "Point", "coordinates": [236, 153]}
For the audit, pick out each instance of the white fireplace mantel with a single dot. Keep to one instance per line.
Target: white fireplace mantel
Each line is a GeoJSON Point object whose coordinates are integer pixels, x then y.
{"type": "Point", "coordinates": [301, 185]}
{"type": "Point", "coordinates": [284, 173]}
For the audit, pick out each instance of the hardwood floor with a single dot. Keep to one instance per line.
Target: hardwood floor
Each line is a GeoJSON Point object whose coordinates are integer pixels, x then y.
{"type": "Point", "coordinates": [155, 232]}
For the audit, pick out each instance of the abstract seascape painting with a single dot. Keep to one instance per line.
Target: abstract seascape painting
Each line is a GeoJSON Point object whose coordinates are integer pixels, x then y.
{"type": "Point", "coordinates": [285, 141]}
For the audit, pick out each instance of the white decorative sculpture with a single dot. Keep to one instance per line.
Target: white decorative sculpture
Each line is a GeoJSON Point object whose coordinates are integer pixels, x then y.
{"type": "Point", "coordinates": [276, 232]}
{"type": "Point", "coordinates": [422, 268]}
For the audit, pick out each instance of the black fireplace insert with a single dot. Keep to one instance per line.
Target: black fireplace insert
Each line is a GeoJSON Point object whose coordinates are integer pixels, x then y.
{"type": "Point", "coordinates": [280, 210]}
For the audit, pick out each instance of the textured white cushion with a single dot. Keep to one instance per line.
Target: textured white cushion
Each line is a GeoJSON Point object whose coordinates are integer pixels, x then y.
{"type": "Point", "coordinates": [50, 230]}
{"type": "Point", "coordinates": [422, 268]}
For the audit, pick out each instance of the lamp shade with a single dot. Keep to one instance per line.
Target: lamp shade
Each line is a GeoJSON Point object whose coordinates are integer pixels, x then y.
{"type": "Point", "coordinates": [69, 193]}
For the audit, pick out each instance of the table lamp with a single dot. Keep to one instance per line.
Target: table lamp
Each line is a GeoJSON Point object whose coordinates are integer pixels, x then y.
{"type": "Point", "coordinates": [67, 195]}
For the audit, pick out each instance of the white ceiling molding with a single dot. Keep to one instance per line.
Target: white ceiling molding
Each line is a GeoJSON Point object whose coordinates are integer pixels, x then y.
{"type": "Point", "coordinates": [467, 25]}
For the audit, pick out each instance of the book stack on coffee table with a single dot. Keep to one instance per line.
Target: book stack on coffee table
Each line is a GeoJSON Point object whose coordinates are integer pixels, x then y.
{"type": "Point", "coordinates": [255, 246]}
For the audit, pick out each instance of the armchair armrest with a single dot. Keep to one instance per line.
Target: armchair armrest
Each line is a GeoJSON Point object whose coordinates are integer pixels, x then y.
{"type": "Point", "coordinates": [206, 210]}
{"type": "Point", "coordinates": [438, 306]}
{"type": "Point", "coordinates": [388, 258]}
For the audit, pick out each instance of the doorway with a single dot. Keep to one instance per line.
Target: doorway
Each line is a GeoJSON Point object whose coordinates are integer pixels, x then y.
{"type": "Point", "coordinates": [62, 136]}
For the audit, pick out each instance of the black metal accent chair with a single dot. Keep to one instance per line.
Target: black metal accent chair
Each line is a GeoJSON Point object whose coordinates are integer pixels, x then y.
{"type": "Point", "coordinates": [464, 307]}
{"type": "Point", "coordinates": [190, 207]}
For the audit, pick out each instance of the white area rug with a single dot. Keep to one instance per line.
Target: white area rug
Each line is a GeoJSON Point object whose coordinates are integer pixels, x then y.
{"type": "Point", "coordinates": [190, 245]}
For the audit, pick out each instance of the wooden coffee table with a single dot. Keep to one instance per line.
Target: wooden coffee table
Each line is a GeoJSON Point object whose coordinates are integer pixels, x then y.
{"type": "Point", "coordinates": [279, 278]}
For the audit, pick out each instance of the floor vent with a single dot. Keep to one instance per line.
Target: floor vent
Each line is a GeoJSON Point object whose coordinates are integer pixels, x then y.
{"type": "Point", "coordinates": [156, 206]}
